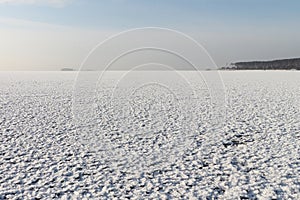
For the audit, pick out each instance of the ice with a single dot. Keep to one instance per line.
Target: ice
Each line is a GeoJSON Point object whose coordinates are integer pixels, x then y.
{"type": "Point", "coordinates": [254, 155]}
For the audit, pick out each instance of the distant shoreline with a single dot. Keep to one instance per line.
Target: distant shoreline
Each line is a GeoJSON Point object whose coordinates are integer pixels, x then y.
{"type": "Point", "coordinates": [282, 64]}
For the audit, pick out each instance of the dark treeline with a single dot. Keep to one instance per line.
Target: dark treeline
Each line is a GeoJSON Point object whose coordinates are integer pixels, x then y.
{"type": "Point", "coordinates": [284, 64]}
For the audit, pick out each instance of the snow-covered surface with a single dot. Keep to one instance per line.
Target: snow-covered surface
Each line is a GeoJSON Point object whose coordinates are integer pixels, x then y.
{"type": "Point", "coordinates": [254, 155]}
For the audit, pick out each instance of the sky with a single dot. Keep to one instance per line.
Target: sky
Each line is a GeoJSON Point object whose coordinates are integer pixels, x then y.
{"type": "Point", "coordinates": [53, 34]}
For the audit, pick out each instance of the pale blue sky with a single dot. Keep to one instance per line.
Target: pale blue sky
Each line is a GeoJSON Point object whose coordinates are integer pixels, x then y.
{"type": "Point", "coordinates": [50, 34]}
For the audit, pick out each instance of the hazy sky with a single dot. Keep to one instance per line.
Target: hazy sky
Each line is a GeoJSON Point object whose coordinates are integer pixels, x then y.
{"type": "Point", "coordinates": [52, 34]}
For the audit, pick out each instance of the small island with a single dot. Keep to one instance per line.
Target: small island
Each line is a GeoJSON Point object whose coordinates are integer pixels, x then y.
{"type": "Point", "coordinates": [67, 69]}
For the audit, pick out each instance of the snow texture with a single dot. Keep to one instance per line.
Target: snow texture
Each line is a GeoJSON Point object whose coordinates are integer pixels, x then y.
{"type": "Point", "coordinates": [254, 154]}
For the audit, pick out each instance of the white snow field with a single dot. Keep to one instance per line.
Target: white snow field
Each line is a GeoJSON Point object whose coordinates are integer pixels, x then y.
{"type": "Point", "coordinates": [254, 154]}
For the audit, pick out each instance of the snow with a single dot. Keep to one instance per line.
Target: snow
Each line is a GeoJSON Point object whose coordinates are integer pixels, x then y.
{"type": "Point", "coordinates": [255, 154]}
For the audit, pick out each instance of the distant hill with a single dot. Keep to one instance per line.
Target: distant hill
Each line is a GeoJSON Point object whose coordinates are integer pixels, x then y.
{"type": "Point", "coordinates": [67, 69]}
{"type": "Point", "coordinates": [283, 64]}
